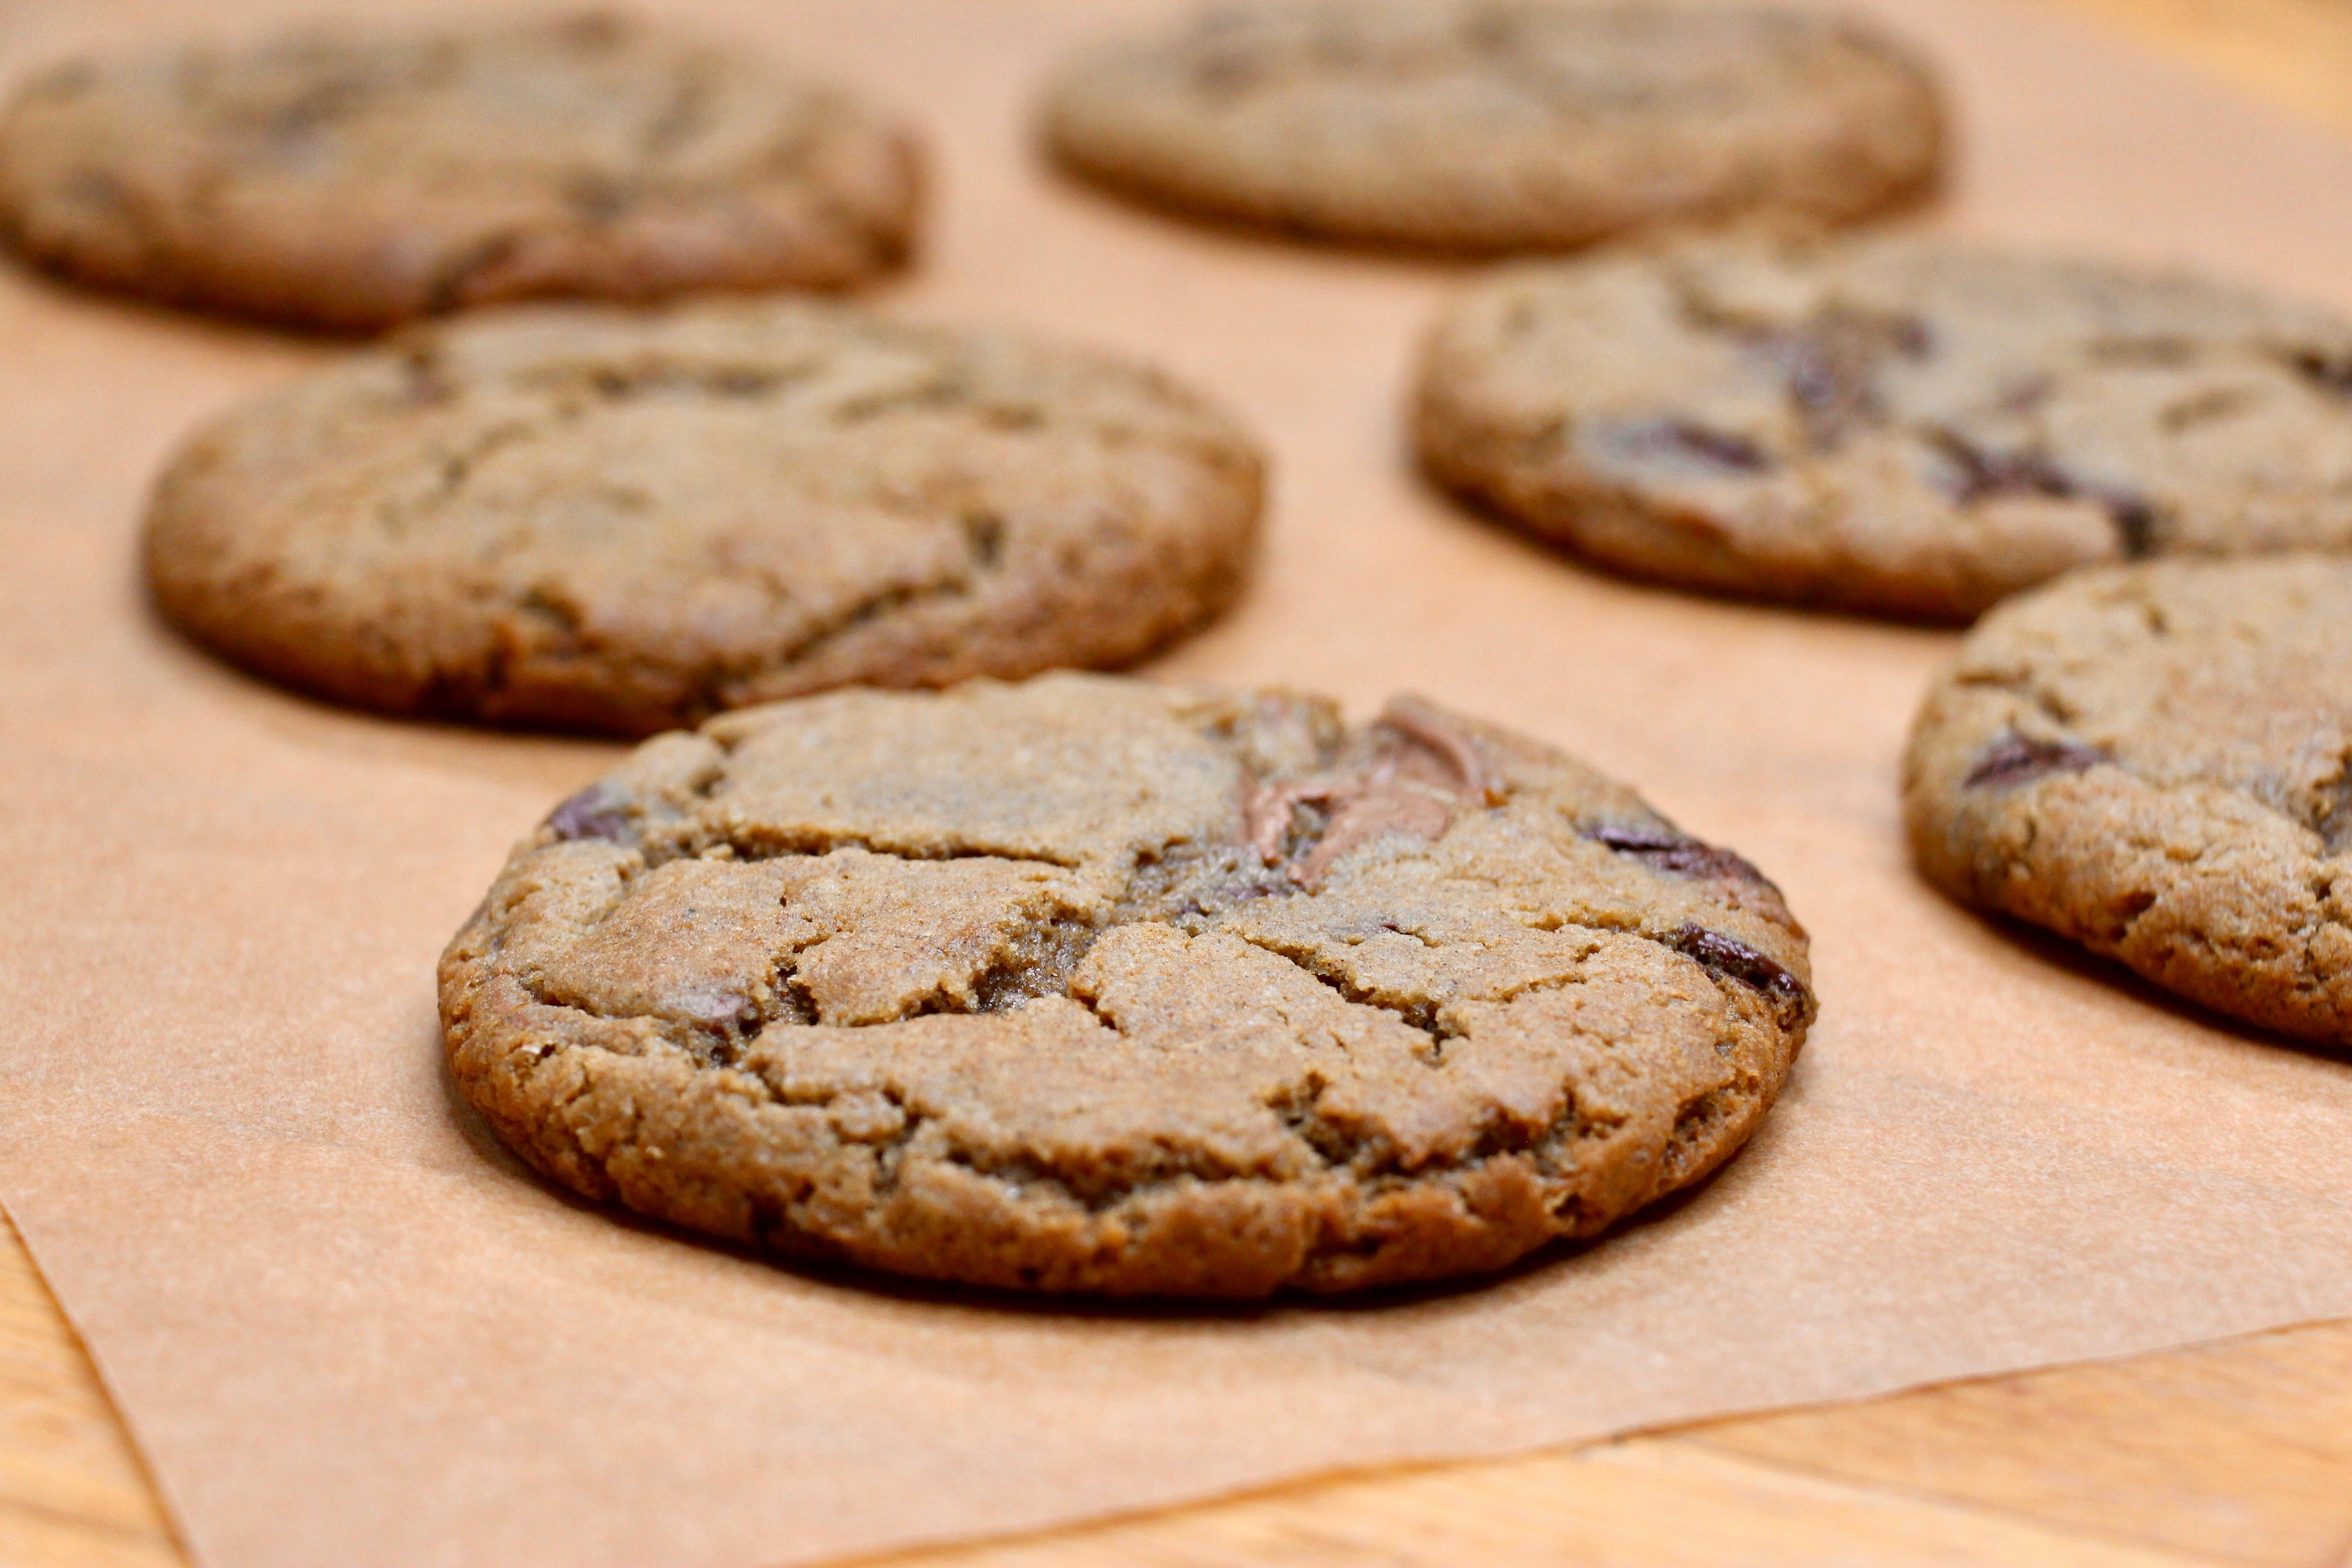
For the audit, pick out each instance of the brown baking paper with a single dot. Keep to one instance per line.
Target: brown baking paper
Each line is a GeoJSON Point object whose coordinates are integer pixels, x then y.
{"type": "Point", "coordinates": [347, 1328]}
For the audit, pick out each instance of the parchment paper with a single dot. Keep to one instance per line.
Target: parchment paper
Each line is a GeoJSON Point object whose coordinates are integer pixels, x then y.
{"type": "Point", "coordinates": [345, 1328]}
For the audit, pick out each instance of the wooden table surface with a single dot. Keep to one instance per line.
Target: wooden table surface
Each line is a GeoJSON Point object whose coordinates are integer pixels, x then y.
{"type": "Point", "coordinates": [2234, 1453]}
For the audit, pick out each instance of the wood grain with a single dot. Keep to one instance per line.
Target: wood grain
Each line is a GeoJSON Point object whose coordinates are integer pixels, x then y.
{"type": "Point", "coordinates": [2235, 1453]}
{"type": "Point", "coordinates": [71, 1489]}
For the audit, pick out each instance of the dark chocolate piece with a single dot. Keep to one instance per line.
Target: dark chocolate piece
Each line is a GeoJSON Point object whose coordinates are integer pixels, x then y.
{"type": "Point", "coordinates": [1978, 473]}
{"type": "Point", "coordinates": [1738, 961]}
{"type": "Point", "coordinates": [1677, 853]}
{"type": "Point", "coordinates": [2331, 375]}
{"type": "Point", "coordinates": [1683, 440]}
{"type": "Point", "coordinates": [595, 813]}
{"type": "Point", "coordinates": [2016, 759]}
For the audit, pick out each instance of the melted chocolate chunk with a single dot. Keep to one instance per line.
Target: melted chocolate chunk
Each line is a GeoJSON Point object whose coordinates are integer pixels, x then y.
{"type": "Point", "coordinates": [594, 813]}
{"type": "Point", "coordinates": [1680, 440]}
{"type": "Point", "coordinates": [1432, 731]}
{"type": "Point", "coordinates": [1738, 961]}
{"type": "Point", "coordinates": [1380, 810]}
{"type": "Point", "coordinates": [2016, 759]}
{"type": "Point", "coordinates": [1410, 784]}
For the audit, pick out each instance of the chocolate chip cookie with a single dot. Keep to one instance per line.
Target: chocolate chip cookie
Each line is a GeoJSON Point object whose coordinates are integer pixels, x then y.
{"type": "Point", "coordinates": [2156, 760]}
{"type": "Point", "coordinates": [1904, 426]}
{"type": "Point", "coordinates": [349, 180]}
{"type": "Point", "coordinates": [1089, 984]}
{"type": "Point", "coordinates": [1503, 125]}
{"type": "Point", "coordinates": [570, 517]}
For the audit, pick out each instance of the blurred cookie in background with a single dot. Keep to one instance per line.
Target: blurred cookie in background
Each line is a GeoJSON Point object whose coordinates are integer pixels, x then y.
{"type": "Point", "coordinates": [1904, 426]}
{"type": "Point", "coordinates": [2156, 760]}
{"type": "Point", "coordinates": [350, 179]}
{"type": "Point", "coordinates": [608, 521]}
{"type": "Point", "coordinates": [1503, 125]}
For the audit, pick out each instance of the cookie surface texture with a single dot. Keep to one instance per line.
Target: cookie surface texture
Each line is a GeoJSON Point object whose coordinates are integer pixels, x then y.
{"type": "Point", "coordinates": [1087, 984]}
{"type": "Point", "coordinates": [349, 180]}
{"type": "Point", "coordinates": [2156, 760]}
{"type": "Point", "coordinates": [1904, 427]}
{"type": "Point", "coordinates": [1503, 125]}
{"type": "Point", "coordinates": [567, 517]}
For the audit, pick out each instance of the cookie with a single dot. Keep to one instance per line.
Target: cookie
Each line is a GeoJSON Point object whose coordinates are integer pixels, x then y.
{"type": "Point", "coordinates": [575, 518]}
{"type": "Point", "coordinates": [350, 180]}
{"type": "Point", "coordinates": [1913, 428]}
{"type": "Point", "coordinates": [1503, 125]}
{"type": "Point", "coordinates": [1089, 985]}
{"type": "Point", "coordinates": [2156, 760]}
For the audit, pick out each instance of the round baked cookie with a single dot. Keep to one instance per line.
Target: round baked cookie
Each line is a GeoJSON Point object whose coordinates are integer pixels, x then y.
{"type": "Point", "coordinates": [561, 516]}
{"type": "Point", "coordinates": [349, 180]}
{"type": "Point", "coordinates": [1089, 985]}
{"type": "Point", "coordinates": [1908, 427]}
{"type": "Point", "coordinates": [1503, 125]}
{"type": "Point", "coordinates": [2156, 760]}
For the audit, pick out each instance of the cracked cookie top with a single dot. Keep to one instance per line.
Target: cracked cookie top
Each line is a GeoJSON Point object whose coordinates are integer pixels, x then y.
{"type": "Point", "coordinates": [2156, 760]}
{"type": "Point", "coordinates": [350, 180]}
{"type": "Point", "coordinates": [571, 517]}
{"type": "Point", "coordinates": [1499, 125]}
{"type": "Point", "coordinates": [1091, 985]}
{"type": "Point", "coordinates": [1908, 427]}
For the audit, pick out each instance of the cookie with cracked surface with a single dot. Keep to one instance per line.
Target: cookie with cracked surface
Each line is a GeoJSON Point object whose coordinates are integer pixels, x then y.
{"type": "Point", "coordinates": [566, 517]}
{"type": "Point", "coordinates": [1905, 426]}
{"type": "Point", "coordinates": [1089, 985]}
{"type": "Point", "coordinates": [1503, 125]}
{"type": "Point", "coordinates": [350, 180]}
{"type": "Point", "coordinates": [2156, 760]}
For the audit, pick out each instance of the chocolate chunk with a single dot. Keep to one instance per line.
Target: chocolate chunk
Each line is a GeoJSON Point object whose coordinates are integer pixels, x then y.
{"type": "Point", "coordinates": [1269, 810]}
{"type": "Point", "coordinates": [1679, 855]}
{"type": "Point", "coordinates": [2333, 821]}
{"type": "Point", "coordinates": [1430, 731]}
{"type": "Point", "coordinates": [1377, 812]}
{"type": "Point", "coordinates": [1683, 856]}
{"type": "Point", "coordinates": [2135, 520]}
{"type": "Point", "coordinates": [595, 813]}
{"type": "Point", "coordinates": [1681, 441]}
{"type": "Point", "coordinates": [1977, 474]}
{"type": "Point", "coordinates": [1738, 961]}
{"type": "Point", "coordinates": [2331, 375]}
{"type": "Point", "coordinates": [2016, 759]}
{"type": "Point", "coordinates": [720, 1011]}
{"type": "Point", "coordinates": [1357, 806]}
{"type": "Point", "coordinates": [1423, 767]}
